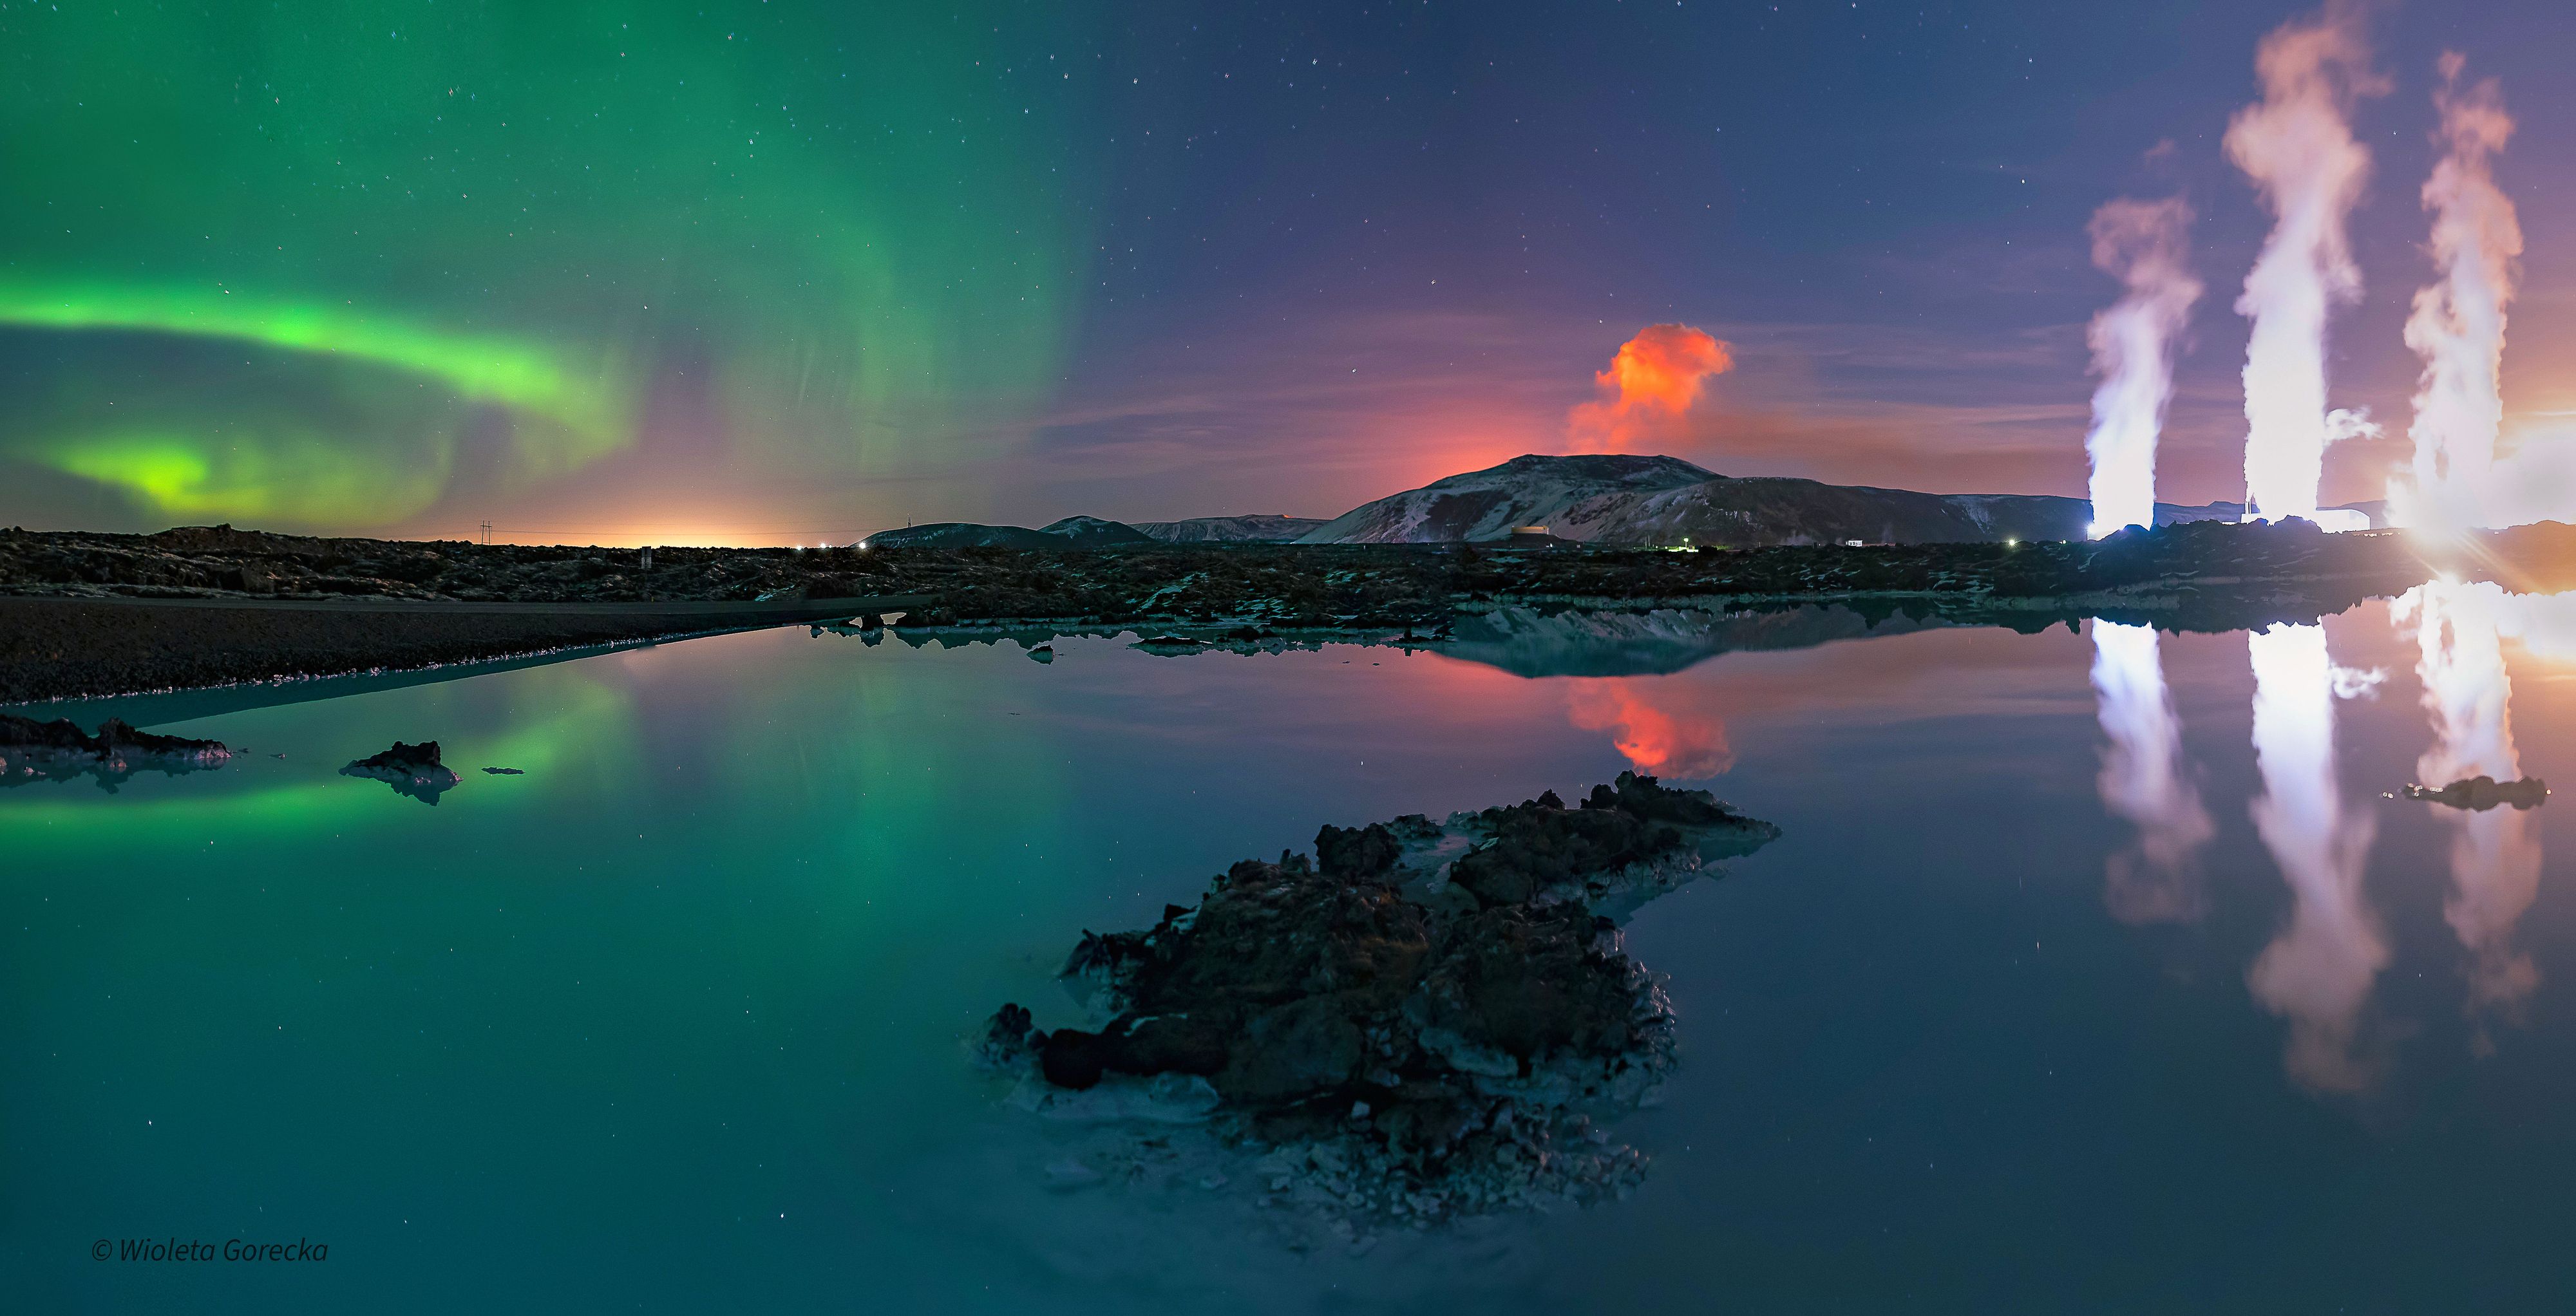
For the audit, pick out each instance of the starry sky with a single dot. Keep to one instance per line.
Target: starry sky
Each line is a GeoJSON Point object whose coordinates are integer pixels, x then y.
{"type": "Point", "coordinates": [792, 272]}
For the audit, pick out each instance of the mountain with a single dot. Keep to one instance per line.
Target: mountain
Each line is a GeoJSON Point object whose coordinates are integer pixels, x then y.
{"type": "Point", "coordinates": [1562, 493]}
{"type": "Point", "coordinates": [1618, 499]}
{"type": "Point", "coordinates": [1608, 498]}
{"type": "Point", "coordinates": [1071, 532]}
{"type": "Point", "coordinates": [1255, 529]}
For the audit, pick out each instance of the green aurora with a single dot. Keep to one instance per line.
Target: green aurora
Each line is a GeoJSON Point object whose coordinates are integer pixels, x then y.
{"type": "Point", "coordinates": [311, 264]}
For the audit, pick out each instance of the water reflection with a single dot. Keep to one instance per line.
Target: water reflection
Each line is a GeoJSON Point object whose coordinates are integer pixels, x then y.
{"type": "Point", "coordinates": [2316, 972]}
{"type": "Point", "coordinates": [1658, 740]}
{"type": "Point", "coordinates": [752, 890]}
{"type": "Point", "coordinates": [2495, 853]}
{"type": "Point", "coordinates": [1538, 642]}
{"type": "Point", "coordinates": [2145, 780]}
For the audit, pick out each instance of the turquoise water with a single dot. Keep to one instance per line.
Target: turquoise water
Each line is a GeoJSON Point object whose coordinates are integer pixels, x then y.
{"type": "Point", "coordinates": [676, 1020]}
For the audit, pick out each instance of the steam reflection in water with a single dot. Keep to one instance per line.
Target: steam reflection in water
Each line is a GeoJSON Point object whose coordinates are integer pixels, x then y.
{"type": "Point", "coordinates": [2145, 781]}
{"type": "Point", "coordinates": [2317, 971]}
{"type": "Point", "coordinates": [2495, 853]}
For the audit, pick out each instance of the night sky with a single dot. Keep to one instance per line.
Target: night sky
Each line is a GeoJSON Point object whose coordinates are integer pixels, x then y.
{"type": "Point", "coordinates": [792, 272]}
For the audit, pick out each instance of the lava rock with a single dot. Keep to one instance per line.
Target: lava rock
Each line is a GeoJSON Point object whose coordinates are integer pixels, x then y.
{"type": "Point", "coordinates": [2482, 793]}
{"type": "Point", "coordinates": [1010, 1037]}
{"type": "Point", "coordinates": [1537, 847]}
{"type": "Point", "coordinates": [1430, 1048]}
{"type": "Point", "coordinates": [1364, 852]}
{"type": "Point", "coordinates": [412, 770]}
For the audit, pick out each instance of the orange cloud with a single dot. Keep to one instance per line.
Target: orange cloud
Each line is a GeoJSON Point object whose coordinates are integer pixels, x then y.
{"type": "Point", "coordinates": [1649, 386]}
{"type": "Point", "coordinates": [1683, 745]}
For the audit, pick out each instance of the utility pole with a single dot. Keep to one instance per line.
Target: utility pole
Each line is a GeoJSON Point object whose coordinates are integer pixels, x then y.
{"type": "Point", "coordinates": [487, 532]}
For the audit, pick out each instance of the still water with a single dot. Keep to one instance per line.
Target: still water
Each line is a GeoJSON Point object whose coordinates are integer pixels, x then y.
{"type": "Point", "coordinates": [2093, 972]}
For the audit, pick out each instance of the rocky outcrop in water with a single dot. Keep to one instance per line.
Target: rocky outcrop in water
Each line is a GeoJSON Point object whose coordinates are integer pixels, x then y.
{"type": "Point", "coordinates": [1420, 1020]}
{"type": "Point", "coordinates": [412, 770]}
{"type": "Point", "coordinates": [59, 750]}
{"type": "Point", "coordinates": [2482, 793]}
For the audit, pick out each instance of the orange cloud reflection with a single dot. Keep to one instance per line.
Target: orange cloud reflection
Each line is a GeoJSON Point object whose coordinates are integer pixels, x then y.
{"type": "Point", "coordinates": [1658, 741]}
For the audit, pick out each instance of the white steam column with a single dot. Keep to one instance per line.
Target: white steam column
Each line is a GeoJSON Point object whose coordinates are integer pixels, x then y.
{"type": "Point", "coordinates": [2297, 147]}
{"type": "Point", "coordinates": [2458, 322]}
{"type": "Point", "coordinates": [2140, 243]}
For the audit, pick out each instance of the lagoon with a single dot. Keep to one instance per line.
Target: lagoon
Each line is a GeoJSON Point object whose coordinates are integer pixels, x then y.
{"type": "Point", "coordinates": [2054, 995]}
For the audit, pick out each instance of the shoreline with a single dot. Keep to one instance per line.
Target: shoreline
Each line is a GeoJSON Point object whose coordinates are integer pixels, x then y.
{"type": "Point", "coordinates": [56, 649]}
{"type": "Point", "coordinates": [93, 616]}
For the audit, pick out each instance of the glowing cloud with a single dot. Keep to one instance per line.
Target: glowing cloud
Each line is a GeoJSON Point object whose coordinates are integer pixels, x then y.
{"type": "Point", "coordinates": [1683, 745]}
{"type": "Point", "coordinates": [2317, 972]}
{"type": "Point", "coordinates": [1654, 380]}
{"type": "Point", "coordinates": [2140, 243]}
{"type": "Point", "coordinates": [2495, 856]}
{"type": "Point", "coordinates": [2297, 147]}
{"type": "Point", "coordinates": [2459, 318]}
{"type": "Point", "coordinates": [2145, 781]}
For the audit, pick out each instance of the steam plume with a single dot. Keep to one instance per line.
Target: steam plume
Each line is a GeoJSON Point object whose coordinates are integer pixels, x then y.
{"type": "Point", "coordinates": [2140, 243]}
{"type": "Point", "coordinates": [2297, 147]}
{"type": "Point", "coordinates": [1655, 378]}
{"type": "Point", "coordinates": [2458, 322]}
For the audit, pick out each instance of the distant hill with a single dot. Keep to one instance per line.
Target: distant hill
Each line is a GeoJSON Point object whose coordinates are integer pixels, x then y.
{"type": "Point", "coordinates": [1255, 529]}
{"type": "Point", "coordinates": [1618, 499]}
{"type": "Point", "coordinates": [1605, 499]}
{"type": "Point", "coordinates": [1071, 532]}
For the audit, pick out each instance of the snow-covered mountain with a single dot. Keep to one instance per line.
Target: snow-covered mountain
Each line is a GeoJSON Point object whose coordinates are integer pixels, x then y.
{"type": "Point", "coordinates": [1617, 499]}
{"type": "Point", "coordinates": [1606, 499]}
{"type": "Point", "coordinates": [1071, 532]}
{"type": "Point", "coordinates": [1566, 494]}
{"type": "Point", "coordinates": [1252, 529]}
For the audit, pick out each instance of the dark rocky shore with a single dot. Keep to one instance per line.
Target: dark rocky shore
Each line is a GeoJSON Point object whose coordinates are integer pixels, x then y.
{"type": "Point", "coordinates": [60, 751]}
{"type": "Point", "coordinates": [73, 619]}
{"type": "Point", "coordinates": [1421, 1021]}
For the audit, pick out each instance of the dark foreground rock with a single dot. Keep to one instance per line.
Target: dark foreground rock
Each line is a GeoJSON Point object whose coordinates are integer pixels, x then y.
{"type": "Point", "coordinates": [2482, 793]}
{"type": "Point", "coordinates": [59, 750]}
{"type": "Point", "coordinates": [1419, 1021]}
{"type": "Point", "coordinates": [412, 770]}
